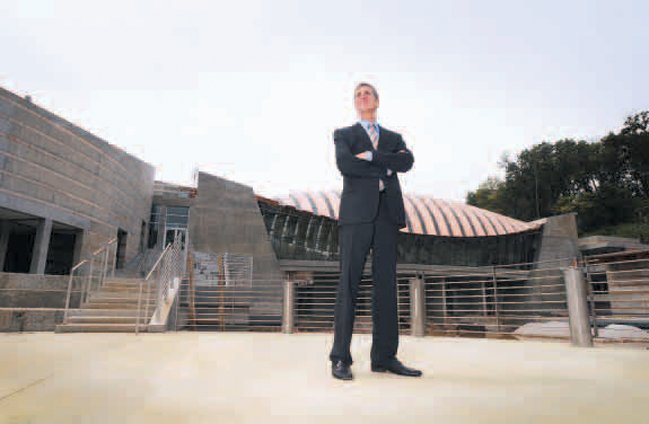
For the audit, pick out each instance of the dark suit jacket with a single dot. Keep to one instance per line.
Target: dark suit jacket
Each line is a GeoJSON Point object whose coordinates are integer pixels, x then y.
{"type": "Point", "coordinates": [360, 197]}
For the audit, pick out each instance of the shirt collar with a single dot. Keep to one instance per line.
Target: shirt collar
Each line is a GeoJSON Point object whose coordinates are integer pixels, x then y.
{"type": "Point", "coordinates": [366, 124]}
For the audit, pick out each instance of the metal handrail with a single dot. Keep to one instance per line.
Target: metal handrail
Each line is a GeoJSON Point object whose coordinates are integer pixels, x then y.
{"type": "Point", "coordinates": [157, 262]}
{"type": "Point", "coordinates": [102, 272]}
{"type": "Point", "coordinates": [67, 298]}
{"type": "Point", "coordinates": [164, 272]}
{"type": "Point", "coordinates": [88, 287]}
{"type": "Point", "coordinates": [148, 283]}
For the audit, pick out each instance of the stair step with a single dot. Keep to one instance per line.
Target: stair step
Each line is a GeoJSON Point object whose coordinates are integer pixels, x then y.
{"type": "Point", "coordinates": [105, 320]}
{"type": "Point", "coordinates": [111, 298]}
{"type": "Point", "coordinates": [98, 328]}
{"type": "Point", "coordinates": [116, 305]}
{"type": "Point", "coordinates": [126, 296]}
{"type": "Point", "coordinates": [127, 292]}
{"type": "Point", "coordinates": [123, 300]}
{"type": "Point", "coordinates": [127, 286]}
{"type": "Point", "coordinates": [115, 312]}
{"type": "Point", "coordinates": [112, 280]}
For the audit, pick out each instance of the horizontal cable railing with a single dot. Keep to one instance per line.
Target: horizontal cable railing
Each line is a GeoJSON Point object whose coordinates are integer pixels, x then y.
{"type": "Point", "coordinates": [238, 305]}
{"type": "Point", "coordinates": [89, 275]}
{"type": "Point", "coordinates": [523, 301]}
{"type": "Point", "coordinates": [154, 289]}
{"type": "Point", "coordinates": [315, 303]}
{"type": "Point", "coordinates": [618, 295]}
{"type": "Point", "coordinates": [495, 304]}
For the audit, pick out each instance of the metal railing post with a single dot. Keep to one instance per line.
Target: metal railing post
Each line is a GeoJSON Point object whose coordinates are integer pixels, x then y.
{"type": "Point", "coordinates": [444, 303]}
{"type": "Point", "coordinates": [288, 315]}
{"type": "Point", "coordinates": [148, 300]}
{"type": "Point", "coordinates": [85, 285]}
{"type": "Point", "coordinates": [495, 287]}
{"type": "Point", "coordinates": [591, 300]}
{"type": "Point", "coordinates": [177, 300]}
{"type": "Point", "coordinates": [139, 305]}
{"type": "Point", "coordinates": [84, 296]}
{"type": "Point", "coordinates": [105, 268]}
{"type": "Point", "coordinates": [70, 285]}
{"type": "Point", "coordinates": [156, 270]}
{"type": "Point", "coordinates": [577, 307]}
{"type": "Point", "coordinates": [417, 307]}
{"type": "Point", "coordinates": [67, 299]}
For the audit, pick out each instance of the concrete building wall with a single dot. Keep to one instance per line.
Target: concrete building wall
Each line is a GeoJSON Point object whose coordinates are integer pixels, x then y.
{"type": "Point", "coordinates": [559, 239]}
{"type": "Point", "coordinates": [52, 169]}
{"type": "Point", "coordinates": [226, 218]}
{"type": "Point", "coordinates": [558, 250]}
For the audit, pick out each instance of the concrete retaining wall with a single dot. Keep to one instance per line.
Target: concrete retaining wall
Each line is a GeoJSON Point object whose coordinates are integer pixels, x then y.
{"type": "Point", "coordinates": [226, 218]}
{"type": "Point", "coordinates": [31, 302]}
{"type": "Point", "coordinates": [29, 319]}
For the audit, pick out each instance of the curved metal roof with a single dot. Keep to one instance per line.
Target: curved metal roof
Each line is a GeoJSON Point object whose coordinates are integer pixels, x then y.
{"type": "Point", "coordinates": [424, 215]}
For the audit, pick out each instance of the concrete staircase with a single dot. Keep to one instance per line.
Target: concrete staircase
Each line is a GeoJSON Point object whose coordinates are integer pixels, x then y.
{"type": "Point", "coordinates": [112, 308]}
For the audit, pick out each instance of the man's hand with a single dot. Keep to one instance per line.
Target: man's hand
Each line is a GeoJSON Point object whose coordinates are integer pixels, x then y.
{"type": "Point", "coordinates": [366, 155]}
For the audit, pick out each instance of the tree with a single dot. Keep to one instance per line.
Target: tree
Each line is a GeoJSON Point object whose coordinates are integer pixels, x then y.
{"type": "Point", "coordinates": [488, 195]}
{"type": "Point", "coordinates": [605, 182]}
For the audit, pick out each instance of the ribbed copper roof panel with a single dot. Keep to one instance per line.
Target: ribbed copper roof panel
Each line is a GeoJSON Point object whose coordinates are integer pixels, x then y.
{"type": "Point", "coordinates": [424, 215]}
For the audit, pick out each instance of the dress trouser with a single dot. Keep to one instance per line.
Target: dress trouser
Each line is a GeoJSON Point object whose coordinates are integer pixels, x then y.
{"type": "Point", "coordinates": [355, 241]}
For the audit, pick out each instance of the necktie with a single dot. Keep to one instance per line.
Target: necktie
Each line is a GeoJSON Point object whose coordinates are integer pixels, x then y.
{"type": "Point", "coordinates": [374, 137]}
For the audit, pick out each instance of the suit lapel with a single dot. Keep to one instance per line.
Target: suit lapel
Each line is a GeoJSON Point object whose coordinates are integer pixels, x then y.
{"type": "Point", "coordinates": [383, 137]}
{"type": "Point", "coordinates": [363, 133]}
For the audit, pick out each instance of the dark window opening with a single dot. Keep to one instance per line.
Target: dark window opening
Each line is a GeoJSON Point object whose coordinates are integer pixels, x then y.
{"type": "Point", "coordinates": [120, 255]}
{"type": "Point", "coordinates": [19, 249]}
{"type": "Point", "coordinates": [60, 253]}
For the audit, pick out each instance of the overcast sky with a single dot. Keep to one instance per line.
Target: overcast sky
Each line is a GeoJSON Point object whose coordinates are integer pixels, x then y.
{"type": "Point", "coordinates": [252, 90]}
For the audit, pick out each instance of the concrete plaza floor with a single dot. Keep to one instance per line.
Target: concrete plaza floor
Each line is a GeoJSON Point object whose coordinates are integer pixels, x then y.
{"type": "Point", "coordinates": [266, 377]}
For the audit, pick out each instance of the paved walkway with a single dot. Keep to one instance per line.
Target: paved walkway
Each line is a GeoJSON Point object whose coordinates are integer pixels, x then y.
{"type": "Point", "coordinates": [261, 377]}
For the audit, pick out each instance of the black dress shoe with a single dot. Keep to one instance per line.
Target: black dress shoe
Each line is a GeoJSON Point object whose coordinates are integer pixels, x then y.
{"type": "Point", "coordinates": [341, 370]}
{"type": "Point", "coordinates": [396, 367]}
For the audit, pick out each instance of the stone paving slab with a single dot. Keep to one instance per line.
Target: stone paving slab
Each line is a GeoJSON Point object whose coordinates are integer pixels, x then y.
{"type": "Point", "coordinates": [268, 377]}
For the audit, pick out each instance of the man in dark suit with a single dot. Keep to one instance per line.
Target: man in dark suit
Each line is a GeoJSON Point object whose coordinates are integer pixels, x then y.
{"type": "Point", "coordinates": [371, 214]}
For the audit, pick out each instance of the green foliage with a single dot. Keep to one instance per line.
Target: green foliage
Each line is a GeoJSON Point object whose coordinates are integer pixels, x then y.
{"type": "Point", "coordinates": [487, 195]}
{"type": "Point", "coordinates": [606, 182]}
{"type": "Point", "coordinates": [634, 230]}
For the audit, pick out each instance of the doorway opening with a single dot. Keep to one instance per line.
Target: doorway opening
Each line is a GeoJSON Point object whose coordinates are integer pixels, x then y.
{"type": "Point", "coordinates": [120, 255]}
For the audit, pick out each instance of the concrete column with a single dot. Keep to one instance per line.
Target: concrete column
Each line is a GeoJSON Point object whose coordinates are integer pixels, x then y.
{"type": "Point", "coordinates": [41, 247]}
{"type": "Point", "coordinates": [288, 312]}
{"type": "Point", "coordinates": [5, 231]}
{"type": "Point", "coordinates": [417, 307]}
{"type": "Point", "coordinates": [577, 307]}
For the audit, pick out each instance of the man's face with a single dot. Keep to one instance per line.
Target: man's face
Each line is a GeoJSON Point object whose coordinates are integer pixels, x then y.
{"type": "Point", "coordinates": [364, 100]}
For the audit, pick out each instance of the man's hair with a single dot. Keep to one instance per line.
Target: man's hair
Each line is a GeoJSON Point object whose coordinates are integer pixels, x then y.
{"type": "Point", "coordinates": [370, 86]}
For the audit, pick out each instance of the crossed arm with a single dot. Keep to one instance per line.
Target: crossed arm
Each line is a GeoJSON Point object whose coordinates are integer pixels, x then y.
{"type": "Point", "coordinates": [352, 165]}
{"type": "Point", "coordinates": [401, 161]}
{"type": "Point", "coordinates": [371, 164]}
